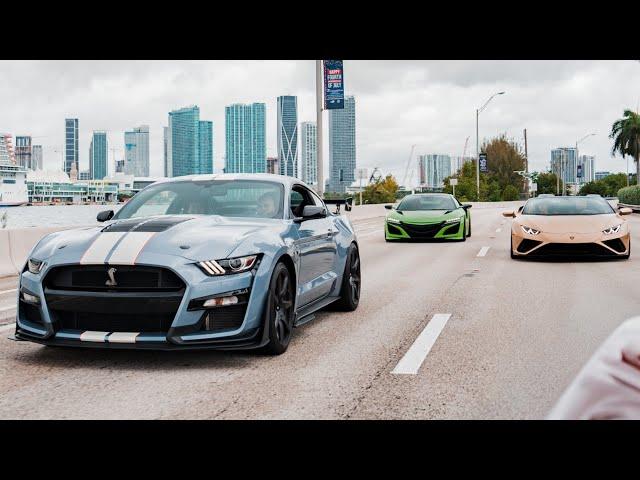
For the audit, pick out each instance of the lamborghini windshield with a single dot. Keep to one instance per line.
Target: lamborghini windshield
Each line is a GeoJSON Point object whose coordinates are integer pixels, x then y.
{"type": "Point", "coordinates": [567, 206]}
{"type": "Point", "coordinates": [427, 202]}
{"type": "Point", "coordinates": [229, 198]}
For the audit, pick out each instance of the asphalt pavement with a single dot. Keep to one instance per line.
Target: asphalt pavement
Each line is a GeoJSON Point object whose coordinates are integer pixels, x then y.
{"type": "Point", "coordinates": [444, 331]}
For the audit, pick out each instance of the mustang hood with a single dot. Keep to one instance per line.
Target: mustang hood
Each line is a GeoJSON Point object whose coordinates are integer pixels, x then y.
{"type": "Point", "coordinates": [570, 223]}
{"type": "Point", "coordinates": [128, 241]}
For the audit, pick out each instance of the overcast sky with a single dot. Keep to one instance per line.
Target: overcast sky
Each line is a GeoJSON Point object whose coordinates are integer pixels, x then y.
{"type": "Point", "coordinates": [398, 103]}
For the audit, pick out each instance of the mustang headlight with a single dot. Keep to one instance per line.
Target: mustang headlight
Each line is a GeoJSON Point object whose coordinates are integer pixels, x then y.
{"type": "Point", "coordinates": [229, 265]}
{"type": "Point", "coordinates": [35, 266]}
{"type": "Point", "coordinates": [392, 220]}
{"type": "Point", "coordinates": [612, 230]}
{"type": "Point", "coordinates": [530, 231]}
{"type": "Point", "coordinates": [453, 220]}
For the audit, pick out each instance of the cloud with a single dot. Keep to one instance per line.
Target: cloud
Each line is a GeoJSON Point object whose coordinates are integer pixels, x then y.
{"type": "Point", "coordinates": [398, 103]}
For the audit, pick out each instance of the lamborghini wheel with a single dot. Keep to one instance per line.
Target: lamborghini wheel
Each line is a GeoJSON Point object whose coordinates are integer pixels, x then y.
{"type": "Point", "coordinates": [279, 311]}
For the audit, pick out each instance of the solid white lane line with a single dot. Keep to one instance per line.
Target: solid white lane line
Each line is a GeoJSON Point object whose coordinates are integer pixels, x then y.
{"type": "Point", "coordinates": [9, 326]}
{"type": "Point", "coordinates": [413, 359]}
{"type": "Point", "coordinates": [7, 309]}
{"type": "Point", "coordinates": [8, 291]}
{"type": "Point", "coordinates": [483, 251]}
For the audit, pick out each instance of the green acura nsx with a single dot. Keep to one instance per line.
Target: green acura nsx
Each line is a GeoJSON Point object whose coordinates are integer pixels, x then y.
{"type": "Point", "coordinates": [428, 216]}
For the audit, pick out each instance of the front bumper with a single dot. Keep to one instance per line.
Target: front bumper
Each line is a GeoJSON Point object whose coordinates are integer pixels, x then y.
{"type": "Point", "coordinates": [166, 320]}
{"type": "Point", "coordinates": [424, 231]}
{"type": "Point", "coordinates": [558, 245]}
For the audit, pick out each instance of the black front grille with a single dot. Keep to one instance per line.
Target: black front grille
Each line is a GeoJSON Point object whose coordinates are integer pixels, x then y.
{"type": "Point", "coordinates": [422, 231]}
{"type": "Point", "coordinates": [107, 322]}
{"type": "Point", "coordinates": [616, 244]}
{"type": "Point", "coordinates": [574, 249]}
{"type": "Point", "coordinates": [224, 318]}
{"type": "Point", "coordinates": [31, 313]}
{"type": "Point", "coordinates": [527, 245]}
{"type": "Point", "coordinates": [128, 278]}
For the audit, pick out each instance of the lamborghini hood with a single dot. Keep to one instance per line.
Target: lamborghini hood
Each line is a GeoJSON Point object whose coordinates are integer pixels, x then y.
{"type": "Point", "coordinates": [570, 223]}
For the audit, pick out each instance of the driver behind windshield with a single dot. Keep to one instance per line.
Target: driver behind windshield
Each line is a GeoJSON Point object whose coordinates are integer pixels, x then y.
{"type": "Point", "coordinates": [268, 205]}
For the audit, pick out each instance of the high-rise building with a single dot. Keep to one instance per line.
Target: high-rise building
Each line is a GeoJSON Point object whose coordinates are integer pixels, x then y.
{"type": "Point", "coordinates": [308, 153]}
{"type": "Point", "coordinates": [98, 155]}
{"type": "Point", "coordinates": [436, 168]}
{"type": "Point", "coordinates": [272, 165]}
{"type": "Point", "coordinates": [136, 151]}
{"type": "Point", "coordinates": [601, 175]}
{"type": "Point", "coordinates": [342, 146]}
{"type": "Point", "coordinates": [120, 166]}
{"type": "Point", "coordinates": [587, 162]}
{"type": "Point", "coordinates": [246, 149]}
{"type": "Point", "coordinates": [206, 147]}
{"type": "Point", "coordinates": [288, 135]}
{"type": "Point", "coordinates": [36, 158]}
{"type": "Point", "coordinates": [5, 148]}
{"type": "Point", "coordinates": [187, 153]}
{"type": "Point", "coordinates": [71, 144]}
{"type": "Point", "coordinates": [165, 132]}
{"type": "Point", "coordinates": [23, 151]}
{"type": "Point", "coordinates": [563, 163]}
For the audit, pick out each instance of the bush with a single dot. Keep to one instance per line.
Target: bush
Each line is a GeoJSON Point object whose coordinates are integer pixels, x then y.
{"type": "Point", "coordinates": [510, 193]}
{"type": "Point", "coordinates": [629, 195]}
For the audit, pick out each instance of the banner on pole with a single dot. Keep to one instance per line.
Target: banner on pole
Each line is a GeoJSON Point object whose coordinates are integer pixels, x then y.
{"type": "Point", "coordinates": [482, 159]}
{"type": "Point", "coordinates": [333, 84]}
{"type": "Point", "coordinates": [579, 172]}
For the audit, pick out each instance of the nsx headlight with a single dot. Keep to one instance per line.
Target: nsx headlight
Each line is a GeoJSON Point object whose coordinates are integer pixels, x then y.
{"type": "Point", "coordinates": [229, 265]}
{"type": "Point", "coordinates": [453, 220]}
{"type": "Point", "coordinates": [393, 220]}
{"type": "Point", "coordinates": [35, 266]}
{"type": "Point", "coordinates": [530, 231]}
{"type": "Point", "coordinates": [612, 230]}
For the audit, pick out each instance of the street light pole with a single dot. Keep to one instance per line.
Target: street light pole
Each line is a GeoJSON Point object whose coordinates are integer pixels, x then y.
{"type": "Point", "coordinates": [478, 111]}
{"type": "Point", "coordinates": [320, 164]}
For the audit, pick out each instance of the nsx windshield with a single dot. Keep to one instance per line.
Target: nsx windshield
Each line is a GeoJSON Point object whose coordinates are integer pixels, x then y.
{"type": "Point", "coordinates": [567, 206]}
{"type": "Point", "coordinates": [229, 198]}
{"type": "Point", "coordinates": [427, 202]}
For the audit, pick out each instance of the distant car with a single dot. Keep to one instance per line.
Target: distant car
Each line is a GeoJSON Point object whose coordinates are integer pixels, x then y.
{"type": "Point", "coordinates": [428, 216]}
{"type": "Point", "coordinates": [569, 227]}
{"type": "Point", "coordinates": [207, 261]}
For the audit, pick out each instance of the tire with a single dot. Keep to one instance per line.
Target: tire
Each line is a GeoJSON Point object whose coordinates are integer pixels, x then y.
{"type": "Point", "coordinates": [351, 282]}
{"type": "Point", "coordinates": [464, 231]}
{"type": "Point", "coordinates": [278, 315]}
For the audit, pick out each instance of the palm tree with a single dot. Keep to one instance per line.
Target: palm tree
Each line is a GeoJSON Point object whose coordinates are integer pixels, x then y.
{"type": "Point", "coordinates": [625, 133]}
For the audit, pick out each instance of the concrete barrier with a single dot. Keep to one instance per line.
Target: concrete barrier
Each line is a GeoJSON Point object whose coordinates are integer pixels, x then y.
{"type": "Point", "coordinates": [7, 267]}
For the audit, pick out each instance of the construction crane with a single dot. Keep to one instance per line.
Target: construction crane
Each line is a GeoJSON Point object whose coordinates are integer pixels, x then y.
{"type": "Point", "coordinates": [406, 171]}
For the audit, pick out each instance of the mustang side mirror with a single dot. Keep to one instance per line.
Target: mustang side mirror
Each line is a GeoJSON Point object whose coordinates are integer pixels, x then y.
{"type": "Point", "coordinates": [105, 215]}
{"type": "Point", "coordinates": [310, 212]}
{"type": "Point", "coordinates": [625, 211]}
{"type": "Point", "coordinates": [389, 207]}
{"type": "Point", "coordinates": [509, 213]}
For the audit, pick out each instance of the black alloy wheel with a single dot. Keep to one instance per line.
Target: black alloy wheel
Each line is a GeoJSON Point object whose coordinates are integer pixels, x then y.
{"type": "Point", "coordinates": [279, 312]}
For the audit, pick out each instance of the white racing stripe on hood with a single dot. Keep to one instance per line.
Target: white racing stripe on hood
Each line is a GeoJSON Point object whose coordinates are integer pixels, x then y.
{"type": "Point", "coordinates": [128, 250]}
{"type": "Point", "coordinates": [100, 248]}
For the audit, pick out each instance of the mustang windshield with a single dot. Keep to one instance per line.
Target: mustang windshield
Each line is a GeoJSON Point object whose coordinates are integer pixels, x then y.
{"type": "Point", "coordinates": [427, 202]}
{"type": "Point", "coordinates": [567, 206]}
{"type": "Point", "coordinates": [229, 198]}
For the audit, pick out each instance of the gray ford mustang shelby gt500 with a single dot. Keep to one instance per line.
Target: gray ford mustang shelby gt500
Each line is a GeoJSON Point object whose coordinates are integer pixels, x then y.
{"type": "Point", "coordinates": [224, 261]}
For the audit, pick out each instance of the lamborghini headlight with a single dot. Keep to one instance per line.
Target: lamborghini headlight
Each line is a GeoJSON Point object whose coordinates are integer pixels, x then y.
{"type": "Point", "coordinates": [612, 230]}
{"type": "Point", "coordinates": [393, 220]}
{"type": "Point", "coordinates": [229, 265]}
{"type": "Point", "coordinates": [530, 231]}
{"type": "Point", "coordinates": [453, 220]}
{"type": "Point", "coordinates": [35, 266]}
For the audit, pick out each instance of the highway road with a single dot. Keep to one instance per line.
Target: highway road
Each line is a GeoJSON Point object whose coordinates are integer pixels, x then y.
{"type": "Point", "coordinates": [443, 331]}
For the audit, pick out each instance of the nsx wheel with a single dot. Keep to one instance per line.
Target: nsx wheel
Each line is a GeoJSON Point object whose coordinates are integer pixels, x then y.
{"type": "Point", "coordinates": [469, 234]}
{"type": "Point", "coordinates": [350, 292]}
{"type": "Point", "coordinates": [279, 312]}
{"type": "Point", "coordinates": [464, 231]}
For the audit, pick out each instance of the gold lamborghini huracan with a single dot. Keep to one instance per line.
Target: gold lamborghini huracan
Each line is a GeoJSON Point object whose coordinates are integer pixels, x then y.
{"type": "Point", "coordinates": [569, 227]}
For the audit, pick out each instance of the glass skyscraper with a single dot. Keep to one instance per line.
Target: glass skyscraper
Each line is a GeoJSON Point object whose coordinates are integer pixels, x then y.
{"type": "Point", "coordinates": [136, 151]}
{"type": "Point", "coordinates": [288, 135]}
{"type": "Point", "coordinates": [245, 139]}
{"type": "Point", "coordinates": [23, 151]}
{"type": "Point", "coordinates": [563, 162]}
{"type": "Point", "coordinates": [71, 145]}
{"type": "Point", "coordinates": [342, 146]}
{"type": "Point", "coordinates": [98, 156]}
{"type": "Point", "coordinates": [308, 152]}
{"type": "Point", "coordinates": [436, 168]}
{"type": "Point", "coordinates": [187, 153]}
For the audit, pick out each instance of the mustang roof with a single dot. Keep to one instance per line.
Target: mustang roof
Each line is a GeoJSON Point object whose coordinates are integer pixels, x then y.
{"type": "Point", "coordinates": [269, 177]}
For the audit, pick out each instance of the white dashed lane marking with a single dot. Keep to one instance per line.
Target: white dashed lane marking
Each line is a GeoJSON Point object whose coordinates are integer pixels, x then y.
{"type": "Point", "coordinates": [415, 356]}
{"type": "Point", "coordinates": [483, 251]}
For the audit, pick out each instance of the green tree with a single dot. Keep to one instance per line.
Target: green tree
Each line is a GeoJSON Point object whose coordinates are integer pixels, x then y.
{"type": "Point", "coordinates": [503, 160]}
{"type": "Point", "coordinates": [510, 193]}
{"type": "Point", "coordinates": [381, 191]}
{"type": "Point", "coordinates": [607, 186]}
{"type": "Point", "coordinates": [625, 133]}
{"type": "Point", "coordinates": [547, 183]}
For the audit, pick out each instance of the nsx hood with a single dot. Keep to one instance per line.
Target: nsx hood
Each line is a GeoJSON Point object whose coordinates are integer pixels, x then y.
{"type": "Point", "coordinates": [570, 223]}
{"type": "Point", "coordinates": [127, 241]}
{"type": "Point", "coordinates": [425, 216]}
